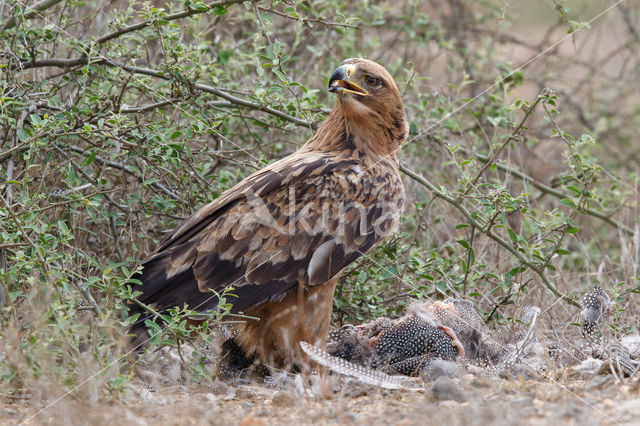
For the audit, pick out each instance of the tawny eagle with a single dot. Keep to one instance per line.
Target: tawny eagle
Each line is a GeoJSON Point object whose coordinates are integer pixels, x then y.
{"type": "Point", "coordinates": [282, 236]}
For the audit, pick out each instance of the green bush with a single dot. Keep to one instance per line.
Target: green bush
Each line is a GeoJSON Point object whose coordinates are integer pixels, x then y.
{"type": "Point", "coordinates": [118, 120]}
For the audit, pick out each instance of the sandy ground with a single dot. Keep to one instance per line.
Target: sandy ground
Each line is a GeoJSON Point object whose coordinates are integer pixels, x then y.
{"type": "Point", "coordinates": [468, 399]}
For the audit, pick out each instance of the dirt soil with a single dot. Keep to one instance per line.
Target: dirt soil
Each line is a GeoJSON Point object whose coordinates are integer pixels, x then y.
{"type": "Point", "coordinates": [468, 399]}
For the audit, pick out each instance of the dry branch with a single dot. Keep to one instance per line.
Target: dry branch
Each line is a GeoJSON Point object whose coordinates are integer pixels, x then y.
{"type": "Point", "coordinates": [124, 168]}
{"type": "Point", "coordinates": [179, 15]}
{"type": "Point", "coordinates": [541, 186]}
{"type": "Point", "coordinates": [307, 21]}
{"type": "Point", "coordinates": [552, 191]}
{"type": "Point", "coordinates": [38, 7]}
{"type": "Point", "coordinates": [514, 134]}
{"type": "Point", "coordinates": [65, 63]}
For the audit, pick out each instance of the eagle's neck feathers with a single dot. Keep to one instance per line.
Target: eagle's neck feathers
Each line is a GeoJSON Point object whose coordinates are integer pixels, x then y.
{"type": "Point", "coordinates": [369, 135]}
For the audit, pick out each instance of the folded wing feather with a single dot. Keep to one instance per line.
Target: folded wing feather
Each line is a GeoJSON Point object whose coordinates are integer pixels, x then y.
{"type": "Point", "coordinates": [299, 221]}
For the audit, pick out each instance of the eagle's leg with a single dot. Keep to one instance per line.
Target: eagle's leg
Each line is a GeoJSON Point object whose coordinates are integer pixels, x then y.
{"type": "Point", "coordinates": [303, 314]}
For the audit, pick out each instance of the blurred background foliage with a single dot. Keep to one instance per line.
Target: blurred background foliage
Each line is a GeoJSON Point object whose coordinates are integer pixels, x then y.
{"type": "Point", "coordinates": [118, 119]}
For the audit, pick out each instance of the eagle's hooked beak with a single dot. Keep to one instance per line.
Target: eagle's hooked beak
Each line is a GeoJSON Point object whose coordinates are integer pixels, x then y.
{"type": "Point", "coordinates": [340, 81]}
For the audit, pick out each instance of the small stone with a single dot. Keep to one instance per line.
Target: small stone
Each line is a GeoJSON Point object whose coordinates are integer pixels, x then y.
{"type": "Point", "coordinates": [599, 382]}
{"type": "Point", "coordinates": [252, 421]}
{"type": "Point", "coordinates": [587, 368]}
{"type": "Point", "coordinates": [244, 393]}
{"type": "Point", "coordinates": [632, 343]}
{"type": "Point", "coordinates": [283, 399]}
{"type": "Point", "coordinates": [208, 397]}
{"type": "Point", "coordinates": [356, 389]}
{"type": "Point", "coordinates": [221, 389]}
{"type": "Point", "coordinates": [481, 381]}
{"type": "Point", "coordinates": [520, 371]}
{"type": "Point", "coordinates": [630, 407]}
{"type": "Point", "coordinates": [218, 387]}
{"type": "Point", "coordinates": [445, 389]}
{"type": "Point", "coordinates": [352, 417]}
{"type": "Point", "coordinates": [441, 368]}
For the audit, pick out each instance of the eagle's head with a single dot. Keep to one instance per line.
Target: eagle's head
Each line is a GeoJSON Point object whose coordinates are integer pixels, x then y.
{"type": "Point", "coordinates": [369, 98]}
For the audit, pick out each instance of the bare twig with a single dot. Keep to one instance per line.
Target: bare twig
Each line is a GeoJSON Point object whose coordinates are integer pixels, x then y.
{"type": "Point", "coordinates": [12, 245]}
{"type": "Point", "coordinates": [542, 187]}
{"type": "Point", "coordinates": [62, 63]}
{"type": "Point", "coordinates": [53, 62]}
{"type": "Point", "coordinates": [116, 239]}
{"type": "Point", "coordinates": [281, 69]}
{"type": "Point", "coordinates": [514, 134]}
{"type": "Point", "coordinates": [145, 108]}
{"type": "Point", "coordinates": [89, 178]}
{"type": "Point", "coordinates": [88, 297]}
{"type": "Point", "coordinates": [38, 7]}
{"type": "Point", "coordinates": [466, 272]}
{"type": "Point", "coordinates": [307, 21]}
{"type": "Point", "coordinates": [252, 105]}
{"type": "Point", "coordinates": [626, 15]}
{"type": "Point", "coordinates": [10, 165]}
{"type": "Point", "coordinates": [129, 171]}
{"type": "Point", "coordinates": [18, 148]}
{"type": "Point", "coordinates": [179, 15]}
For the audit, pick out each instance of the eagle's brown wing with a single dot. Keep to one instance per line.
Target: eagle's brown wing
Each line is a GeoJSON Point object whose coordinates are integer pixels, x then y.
{"type": "Point", "coordinates": [299, 221]}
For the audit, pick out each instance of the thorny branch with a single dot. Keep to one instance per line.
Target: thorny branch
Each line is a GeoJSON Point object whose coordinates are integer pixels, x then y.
{"type": "Point", "coordinates": [64, 63]}
{"type": "Point", "coordinates": [38, 7]}
{"type": "Point", "coordinates": [179, 15]}
{"type": "Point", "coordinates": [46, 4]}
{"type": "Point", "coordinates": [76, 166]}
{"type": "Point", "coordinates": [541, 186]}
{"type": "Point", "coordinates": [538, 269]}
{"type": "Point", "coordinates": [307, 21]}
{"type": "Point", "coordinates": [626, 14]}
{"type": "Point", "coordinates": [124, 168]}
{"type": "Point", "coordinates": [514, 134]}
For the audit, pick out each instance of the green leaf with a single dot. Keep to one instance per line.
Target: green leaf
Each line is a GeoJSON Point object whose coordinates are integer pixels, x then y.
{"type": "Point", "coordinates": [464, 244]}
{"type": "Point", "coordinates": [568, 202]}
{"type": "Point", "coordinates": [90, 159]}
{"type": "Point", "coordinates": [63, 226]}
{"type": "Point", "coordinates": [220, 10]}
{"type": "Point", "coordinates": [22, 135]}
{"type": "Point", "coordinates": [224, 55]}
{"type": "Point", "coordinates": [574, 189]}
{"type": "Point", "coordinates": [280, 75]}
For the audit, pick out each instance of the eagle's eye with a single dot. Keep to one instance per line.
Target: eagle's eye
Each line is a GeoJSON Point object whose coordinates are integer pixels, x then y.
{"type": "Point", "coordinates": [372, 81]}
